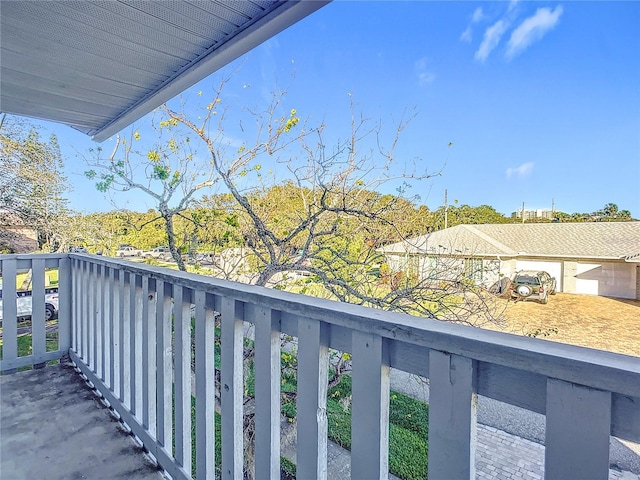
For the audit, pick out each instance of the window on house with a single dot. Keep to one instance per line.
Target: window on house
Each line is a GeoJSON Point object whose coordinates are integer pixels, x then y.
{"type": "Point", "coordinates": [413, 264]}
{"type": "Point", "coordinates": [473, 269]}
{"type": "Point", "coordinates": [431, 264]}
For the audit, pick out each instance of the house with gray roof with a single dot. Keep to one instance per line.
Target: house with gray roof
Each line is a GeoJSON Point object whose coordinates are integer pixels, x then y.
{"type": "Point", "coordinates": [601, 258]}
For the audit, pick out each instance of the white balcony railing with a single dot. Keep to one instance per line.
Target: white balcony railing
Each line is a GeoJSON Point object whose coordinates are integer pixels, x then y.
{"type": "Point", "coordinates": [115, 321]}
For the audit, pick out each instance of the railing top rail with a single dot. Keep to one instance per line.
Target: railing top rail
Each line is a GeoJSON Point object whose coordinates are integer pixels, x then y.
{"type": "Point", "coordinates": [598, 369]}
{"type": "Point", "coordinates": [31, 256]}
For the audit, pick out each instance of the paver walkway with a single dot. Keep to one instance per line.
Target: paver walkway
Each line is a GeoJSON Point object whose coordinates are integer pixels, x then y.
{"type": "Point", "coordinates": [502, 456]}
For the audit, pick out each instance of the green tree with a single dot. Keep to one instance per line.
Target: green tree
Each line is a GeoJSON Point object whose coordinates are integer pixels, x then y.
{"type": "Point", "coordinates": [33, 186]}
{"type": "Point", "coordinates": [466, 215]}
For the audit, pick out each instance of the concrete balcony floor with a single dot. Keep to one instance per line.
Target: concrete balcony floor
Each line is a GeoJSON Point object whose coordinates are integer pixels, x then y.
{"type": "Point", "coordinates": [52, 427]}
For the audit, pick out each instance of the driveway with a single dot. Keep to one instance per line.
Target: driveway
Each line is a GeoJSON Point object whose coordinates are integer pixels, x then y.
{"type": "Point", "coordinates": [597, 322]}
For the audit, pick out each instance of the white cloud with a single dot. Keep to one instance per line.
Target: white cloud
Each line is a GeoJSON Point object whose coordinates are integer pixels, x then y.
{"type": "Point", "coordinates": [522, 171]}
{"type": "Point", "coordinates": [491, 38]}
{"type": "Point", "coordinates": [466, 36]}
{"type": "Point", "coordinates": [478, 15]}
{"type": "Point", "coordinates": [532, 29]}
{"type": "Point", "coordinates": [425, 76]}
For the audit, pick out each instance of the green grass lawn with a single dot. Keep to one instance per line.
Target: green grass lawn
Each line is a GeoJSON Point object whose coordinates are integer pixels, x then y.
{"type": "Point", "coordinates": [25, 345]}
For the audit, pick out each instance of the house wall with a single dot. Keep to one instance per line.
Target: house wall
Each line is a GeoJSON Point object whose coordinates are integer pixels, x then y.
{"type": "Point", "coordinates": [608, 279]}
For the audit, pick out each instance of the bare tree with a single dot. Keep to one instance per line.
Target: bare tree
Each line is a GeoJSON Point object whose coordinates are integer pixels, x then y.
{"type": "Point", "coordinates": [326, 221]}
{"type": "Point", "coordinates": [169, 172]}
{"type": "Point", "coordinates": [308, 210]}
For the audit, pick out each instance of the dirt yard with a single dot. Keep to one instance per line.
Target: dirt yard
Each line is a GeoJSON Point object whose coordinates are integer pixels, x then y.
{"type": "Point", "coordinates": [597, 322]}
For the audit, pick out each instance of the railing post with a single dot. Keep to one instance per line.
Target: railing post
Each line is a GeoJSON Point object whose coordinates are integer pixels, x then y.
{"type": "Point", "coordinates": [76, 280]}
{"type": "Point", "coordinates": [164, 358]}
{"type": "Point", "coordinates": [205, 387]}
{"type": "Point", "coordinates": [267, 386]}
{"type": "Point", "coordinates": [98, 340]}
{"type": "Point", "coordinates": [38, 323]}
{"type": "Point", "coordinates": [108, 327]}
{"type": "Point", "coordinates": [9, 312]}
{"type": "Point", "coordinates": [311, 408]}
{"type": "Point", "coordinates": [578, 427]}
{"type": "Point", "coordinates": [84, 290]}
{"type": "Point", "coordinates": [149, 355]}
{"type": "Point", "coordinates": [119, 311]}
{"type": "Point", "coordinates": [65, 299]}
{"type": "Point", "coordinates": [452, 416]}
{"type": "Point", "coordinates": [135, 338]}
{"type": "Point", "coordinates": [128, 304]}
{"type": "Point", "coordinates": [92, 289]}
{"type": "Point", "coordinates": [231, 387]}
{"type": "Point", "coordinates": [370, 407]}
{"type": "Point", "coordinates": [182, 380]}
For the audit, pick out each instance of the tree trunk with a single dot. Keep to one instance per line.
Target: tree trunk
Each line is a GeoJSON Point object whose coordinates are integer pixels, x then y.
{"type": "Point", "coordinates": [168, 225]}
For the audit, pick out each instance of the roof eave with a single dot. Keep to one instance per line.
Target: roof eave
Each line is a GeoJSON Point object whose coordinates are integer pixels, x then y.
{"type": "Point", "coordinates": [282, 16]}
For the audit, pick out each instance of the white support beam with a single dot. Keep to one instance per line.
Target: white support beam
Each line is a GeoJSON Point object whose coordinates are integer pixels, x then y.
{"type": "Point", "coordinates": [311, 408]}
{"type": "Point", "coordinates": [231, 387]}
{"type": "Point", "coordinates": [267, 386]}
{"type": "Point", "coordinates": [577, 432]}
{"type": "Point", "coordinates": [370, 407]}
{"type": "Point", "coordinates": [452, 416]}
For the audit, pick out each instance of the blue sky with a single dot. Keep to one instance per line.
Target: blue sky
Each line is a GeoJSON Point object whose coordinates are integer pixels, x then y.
{"type": "Point", "coordinates": [540, 100]}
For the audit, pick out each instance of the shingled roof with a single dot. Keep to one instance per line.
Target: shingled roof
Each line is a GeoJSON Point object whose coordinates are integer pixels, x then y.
{"type": "Point", "coordinates": [604, 240]}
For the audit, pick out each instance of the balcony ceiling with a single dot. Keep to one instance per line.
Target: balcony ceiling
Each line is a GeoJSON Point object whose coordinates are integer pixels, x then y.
{"type": "Point", "coordinates": [100, 65]}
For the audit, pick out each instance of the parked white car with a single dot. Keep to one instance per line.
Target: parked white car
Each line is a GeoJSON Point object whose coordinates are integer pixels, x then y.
{"type": "Point", "coordinates": [24, 303]}
{"type": "Point", "coordinates": [161, 253]}
{"type": "Point", "coordinates": [128, 251]}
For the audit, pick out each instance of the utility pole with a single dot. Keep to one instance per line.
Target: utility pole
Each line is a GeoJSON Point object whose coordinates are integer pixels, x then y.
{"type": "Point", "coordinates": [522, 212]}
{"type": "Point", "coordinates": [446, 207]}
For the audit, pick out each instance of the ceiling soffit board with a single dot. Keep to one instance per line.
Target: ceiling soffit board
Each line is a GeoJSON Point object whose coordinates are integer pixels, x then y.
{"type": "Point", "coordinates": [98, 66]}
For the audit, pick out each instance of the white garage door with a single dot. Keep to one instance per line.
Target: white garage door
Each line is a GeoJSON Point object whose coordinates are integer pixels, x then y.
{"type": "Point", "coordinates": [552, 268]}
{"type": "Point", "coordinates": [606, 279]}
{"type": "Point", "coordinates": [588, 277]}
